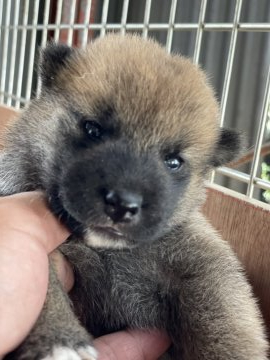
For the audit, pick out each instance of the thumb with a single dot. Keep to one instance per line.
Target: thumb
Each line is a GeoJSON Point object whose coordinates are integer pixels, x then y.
{"type": "Point", "coordinates": [132, 345]}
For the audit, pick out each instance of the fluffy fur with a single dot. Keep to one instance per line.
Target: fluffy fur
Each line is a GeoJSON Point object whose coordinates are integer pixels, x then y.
{"type": "Point", "coordinates": [121, 140]}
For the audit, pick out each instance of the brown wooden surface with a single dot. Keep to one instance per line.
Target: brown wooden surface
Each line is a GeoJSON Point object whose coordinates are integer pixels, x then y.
{"type": "Point", "coordinates": [246, 225]}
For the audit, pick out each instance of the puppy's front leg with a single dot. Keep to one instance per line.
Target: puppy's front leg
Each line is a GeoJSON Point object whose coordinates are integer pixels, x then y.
{"type": "Point", "coordinates": [213, 314]}
{"type": "Point", "coordinates": [57, 334]}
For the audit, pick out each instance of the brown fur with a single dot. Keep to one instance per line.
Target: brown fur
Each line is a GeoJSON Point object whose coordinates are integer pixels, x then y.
{"type": "Point", "coordinates": [125, 71]}
{"type": "Point", "coordinates": [187, 281]}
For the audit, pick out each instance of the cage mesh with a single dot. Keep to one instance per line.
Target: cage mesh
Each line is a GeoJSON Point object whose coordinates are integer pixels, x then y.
{"type": "Point", "coordinates": [229, 39]}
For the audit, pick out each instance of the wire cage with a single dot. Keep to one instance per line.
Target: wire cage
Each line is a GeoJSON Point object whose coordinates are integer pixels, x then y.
{"type": "Point", "coordinates": [229, 39]}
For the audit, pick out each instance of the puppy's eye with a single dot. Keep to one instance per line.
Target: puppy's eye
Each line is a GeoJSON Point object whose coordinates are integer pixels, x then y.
{"type": "Point", "coordinates": [173, 162]}
{"type": "Point", "coordinates": [93, 130]}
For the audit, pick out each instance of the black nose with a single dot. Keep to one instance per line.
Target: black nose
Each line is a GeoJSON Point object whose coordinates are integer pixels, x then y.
{"type": "Point", "coordinates": [122, 206]}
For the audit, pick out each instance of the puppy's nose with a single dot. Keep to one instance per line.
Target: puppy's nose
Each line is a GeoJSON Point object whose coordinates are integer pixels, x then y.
{"type": "Point", "coordinates": [123, 206]}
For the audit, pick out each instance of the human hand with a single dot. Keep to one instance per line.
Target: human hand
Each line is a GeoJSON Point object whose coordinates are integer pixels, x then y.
{"type": "Point", "coordinates": [132, 345]}
{"type": "Point", "coordinates": [28, 233]}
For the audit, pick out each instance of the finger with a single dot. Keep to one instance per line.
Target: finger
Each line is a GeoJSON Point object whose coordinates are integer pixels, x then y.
{"type": "Point", "coordinates": [32, 217]}
{"type": "Point", "coordinates": [28, 231]}
{"type": "Point", "coordinates": [23, 285]}
{"type": "Point", "coordinates": [64, 270]}
{"type": "Point", "coordinates": [132, 345]}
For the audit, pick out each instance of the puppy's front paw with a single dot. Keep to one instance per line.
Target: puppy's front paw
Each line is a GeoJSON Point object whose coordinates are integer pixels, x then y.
{"type": "Point", "coordinates": [66, 353]}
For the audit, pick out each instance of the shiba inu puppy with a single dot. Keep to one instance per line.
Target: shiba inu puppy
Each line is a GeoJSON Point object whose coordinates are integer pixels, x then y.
{"type": "Point", "coordinates": [121, 140]}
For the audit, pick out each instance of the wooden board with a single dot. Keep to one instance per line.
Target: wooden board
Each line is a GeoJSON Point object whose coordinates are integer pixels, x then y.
{"type": "Point", "coordinates": [245, 224]}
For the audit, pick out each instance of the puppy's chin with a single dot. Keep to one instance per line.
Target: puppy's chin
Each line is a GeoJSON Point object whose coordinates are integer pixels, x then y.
{"type": "Point", "coordinates": [105, 238]}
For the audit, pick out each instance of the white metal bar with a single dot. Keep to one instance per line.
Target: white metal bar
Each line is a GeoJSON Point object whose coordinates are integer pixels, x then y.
{"type": "Point", "coordinates": [104, 18]}
{"type": "Point", "coordinates": [221, 27]}
{"type": "Point", "coordinates": [198, 41]}
{"type": "Point", "coordinates": [71, 23]}
{"type": "Point", "coordinates": [87, 15]}
{"type": "Point", "coordinates": [254, 27]}
{"type": "Point", "coordinates": [229, 66]}
{"type": "Point", "coordinates": [45, 23]}
{"type": "Point", "coordinates": [124, 16]}
{"type": "Point", "coordinates": [228, 72]}
{"type": "Point", "coordinates": [115, 26]}
{"type": "Point", "coordinates": [171, 26]}
{"type": "Point", "coordinates": [44, 36]}
{"type": "Point", "coordinates": [233, 174]}
{"type": "Point", "coordinates": [241, 27]}
{"type": "Point", "coordinates": [146, 20]}
{"type": "Point", "coordinates": [22, 53]}
{"type": "Point", "coordinates": [57, 20]}
{"type": "Point", "coordinates": [1, 17]}
{"type": "Point", "coordinates": [5, 50]}
{"type": "Point", "coordinates": [245, 178]}
{"type": "Point", "coordinates": [14, 97]}
{"type": "Point", "coordinates": [261, 184]}
{"type": "Point", "coordinates": [260, 134]}
{"type": "Point", "coordinates": [32, 53]}
{"type": "Point", "coordinates": [13, 52]}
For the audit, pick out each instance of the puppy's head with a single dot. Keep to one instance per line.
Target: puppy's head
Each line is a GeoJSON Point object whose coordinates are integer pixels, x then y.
{"type": "Point", "coordinates": [120, 139]}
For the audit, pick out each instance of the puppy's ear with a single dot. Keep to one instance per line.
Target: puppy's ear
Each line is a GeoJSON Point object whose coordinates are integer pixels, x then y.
{"type": "Point", "coordinates": [52, 59]}
{"type": "Point", "coordinates": [229, 146]}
